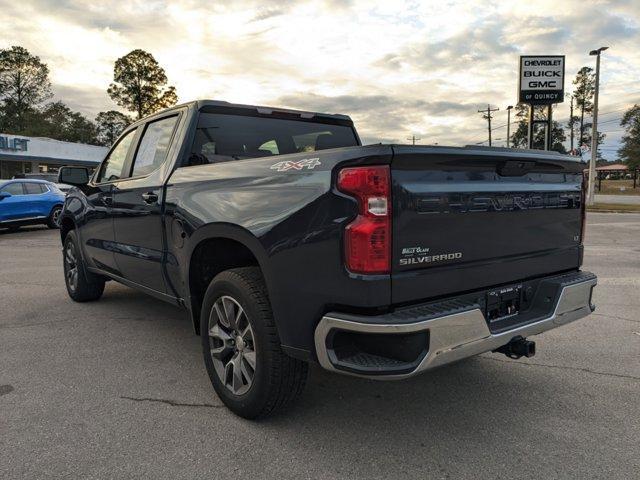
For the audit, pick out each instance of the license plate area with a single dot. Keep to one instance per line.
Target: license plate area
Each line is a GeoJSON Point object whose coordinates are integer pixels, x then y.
{"type": "Point", "coordinates": [503, 302]}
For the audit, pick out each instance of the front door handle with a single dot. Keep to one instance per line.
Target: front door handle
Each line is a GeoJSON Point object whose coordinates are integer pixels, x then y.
{"type": "Point", "coordinates": [107, 200]}
{"type": "Point", "coordinates": [149, 197]}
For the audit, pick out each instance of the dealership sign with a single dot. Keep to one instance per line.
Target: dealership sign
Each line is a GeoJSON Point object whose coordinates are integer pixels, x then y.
{"type": "Point", "coordinates": [541, 79]}
{"type": "Point", "coordinates": [15, 144]}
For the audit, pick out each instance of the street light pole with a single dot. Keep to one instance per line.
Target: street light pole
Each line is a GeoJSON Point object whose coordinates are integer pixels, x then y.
{"type": "Point", "coordinates": [509, 123]}
{"type": "Point", "coordinates": [594, 131]}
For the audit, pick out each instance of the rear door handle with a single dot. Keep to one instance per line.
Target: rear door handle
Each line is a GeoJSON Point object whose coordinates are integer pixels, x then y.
{"type": "Point", "coordinates": [149, 197]}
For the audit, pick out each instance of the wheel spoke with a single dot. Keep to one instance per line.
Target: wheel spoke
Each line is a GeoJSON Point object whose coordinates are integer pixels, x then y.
{"type": "Point", "coordinates": [247, 334]}
{"type": "Point", "coordinates": [237, 373]}
{"type": "Point", "coordinates": [222, 318]}
{"type": "Point", "coordinates": [239, 315]}
{"type": "Point", "coordinates": [228, 373]}
{"type": "Point", "coordinates": [221, 344]}
{"type": "Point", "coordinates": [250, 357]}
{"type": "Point", "coordinates": [247, 371]}
{"type": "Point", "coordinates": [71, 258]}
{"type": "Point", "coordinates": [233, 374]}
{"type": "Point", "coordinates": [229, 310]}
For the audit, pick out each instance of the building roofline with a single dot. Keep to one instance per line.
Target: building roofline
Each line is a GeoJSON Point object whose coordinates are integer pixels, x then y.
{"type": "Point", "coordinates": [47, 139]}
{"type": "Point", "coordinates": [32, 158]}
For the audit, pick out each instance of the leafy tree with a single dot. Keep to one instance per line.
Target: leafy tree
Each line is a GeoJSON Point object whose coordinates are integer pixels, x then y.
{"type": "Point", "coordinates": [630, 151]}
{"type": "Point", "coordinates": [81, 129]}
{"type": "Point", "coordinates": [519, 136]}
{"type": "Point", "coordinates": [24, 84]}
{"type": "Point", "coordinates": [139, 84]}
{"type": "Point", "coordinates": [585, 84]}
{"type": "Point", "coordinates": [558, 137]}
{"type": "Point", "coordinates": [110, 125]}
{"type": "Point", "coordinates": [58, 121]}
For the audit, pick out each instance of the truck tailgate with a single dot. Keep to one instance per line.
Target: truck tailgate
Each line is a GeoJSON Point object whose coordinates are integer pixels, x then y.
{"type": "Point", "coordinates": [467, 220]}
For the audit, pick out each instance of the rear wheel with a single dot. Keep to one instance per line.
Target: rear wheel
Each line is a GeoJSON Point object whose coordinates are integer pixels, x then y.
{"type": "Point", "coordinates": [82, 285]}
{"type": "Point", "coordinates": [54, 217]}
{"type": "Point", "coordinates": [245, 362]}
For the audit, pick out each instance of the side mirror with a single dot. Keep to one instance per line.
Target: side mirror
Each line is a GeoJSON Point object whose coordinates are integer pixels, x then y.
{"type": "Point", "coordinates": [4, 195]}
{"type": "Point", "coordinates": [77, 176]}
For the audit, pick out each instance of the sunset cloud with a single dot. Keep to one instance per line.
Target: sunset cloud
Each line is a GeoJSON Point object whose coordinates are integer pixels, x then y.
{"type": "Point", "coordinates": [397, 68]}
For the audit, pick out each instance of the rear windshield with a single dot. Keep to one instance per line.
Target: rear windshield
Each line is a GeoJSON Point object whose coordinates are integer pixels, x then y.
{"type": "Point", "coordinates": [222, 137]}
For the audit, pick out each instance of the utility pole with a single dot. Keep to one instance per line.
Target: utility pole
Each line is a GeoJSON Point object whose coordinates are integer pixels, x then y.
{"type": "Point", "coordinates": [594, 130]}
{"type": "Point", "coordinates": [486, 114]}
{"type": "Point", "coordinates": [509, 123]}
{"type": "Point", "coordinates": [413, 139]}
{"type": "Point", "coordinates": [571, 125]}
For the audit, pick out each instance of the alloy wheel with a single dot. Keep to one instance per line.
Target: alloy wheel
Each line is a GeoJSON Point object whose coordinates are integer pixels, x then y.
{"type": "Point", "coordinates": [71, 267]}
{"type": "Point", "coordinates": [232, 345]}
{"type": "Point", "coordinates": [56, 216]}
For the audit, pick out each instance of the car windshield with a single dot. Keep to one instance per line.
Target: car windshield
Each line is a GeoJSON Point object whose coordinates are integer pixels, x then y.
{"type": "Point", "coordinates": [221, 137]}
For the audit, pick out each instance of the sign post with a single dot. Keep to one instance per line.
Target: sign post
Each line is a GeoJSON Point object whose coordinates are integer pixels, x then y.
{"type": "Point", "coordinates": [541, 82]}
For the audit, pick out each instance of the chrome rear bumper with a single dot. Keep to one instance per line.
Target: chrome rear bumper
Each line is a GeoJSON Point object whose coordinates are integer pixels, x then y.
{"type": "Point", "coordinates": [453, 336]}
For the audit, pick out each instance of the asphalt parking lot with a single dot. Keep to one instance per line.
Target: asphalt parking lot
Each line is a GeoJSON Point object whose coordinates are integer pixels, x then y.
{"type": "Point", "coordinates": [117, 389]}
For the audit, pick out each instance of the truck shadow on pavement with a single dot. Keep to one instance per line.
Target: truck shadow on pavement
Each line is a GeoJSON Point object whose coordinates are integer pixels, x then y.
{"type": "Point", "coordinates": [478, 399]}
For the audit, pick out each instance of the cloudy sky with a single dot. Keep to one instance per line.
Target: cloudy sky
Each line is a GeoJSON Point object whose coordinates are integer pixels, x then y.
{"type": "Point", "coordinates": [397, 67]}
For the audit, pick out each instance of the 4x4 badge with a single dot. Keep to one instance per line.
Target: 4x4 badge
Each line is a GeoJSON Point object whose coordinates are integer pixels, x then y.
{"type": "Point", "coordinates": [309, 163]}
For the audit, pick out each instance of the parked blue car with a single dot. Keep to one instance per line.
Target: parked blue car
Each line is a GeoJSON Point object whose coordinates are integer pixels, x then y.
{"type": "Point", "coordinates": [29, 202]}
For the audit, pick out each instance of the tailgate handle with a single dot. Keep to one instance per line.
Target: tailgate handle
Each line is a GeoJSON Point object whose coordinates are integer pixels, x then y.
{"type": "Point", "coordinates": [515, 168]}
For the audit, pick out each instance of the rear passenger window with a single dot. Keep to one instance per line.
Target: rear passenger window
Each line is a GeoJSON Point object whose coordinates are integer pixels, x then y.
{"type": "Point", "coordinates": [154, 146]}
{"type": "Point", "coordinates": [32, 188]}
{"type": "Point", "coordinates": [14, 188]}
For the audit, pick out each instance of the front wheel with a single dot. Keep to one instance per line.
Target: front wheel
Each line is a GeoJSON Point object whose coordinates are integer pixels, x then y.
{"type": "Point", "coordinates": [248, 369]}
{"type": "Point", "coordinates": [82, 285]}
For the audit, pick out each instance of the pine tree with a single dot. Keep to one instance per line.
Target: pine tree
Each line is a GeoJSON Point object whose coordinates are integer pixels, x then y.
{"type": "Point", "coordinates": [140, 84]}
{"type": "Point", "coordinates": [585, 83]}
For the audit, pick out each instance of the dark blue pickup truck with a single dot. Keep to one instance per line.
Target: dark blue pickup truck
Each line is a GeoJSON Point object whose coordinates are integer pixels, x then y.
{"type": "Point", "coordinates": [287, 241]}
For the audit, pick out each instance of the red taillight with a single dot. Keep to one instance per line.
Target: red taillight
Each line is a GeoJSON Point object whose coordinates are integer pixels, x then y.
{"type": "Point", "coordinates": [367, 242]}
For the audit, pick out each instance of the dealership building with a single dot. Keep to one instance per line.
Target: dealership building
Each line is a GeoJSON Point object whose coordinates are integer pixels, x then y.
{"type": "Point", "coordinates": [20, 155]}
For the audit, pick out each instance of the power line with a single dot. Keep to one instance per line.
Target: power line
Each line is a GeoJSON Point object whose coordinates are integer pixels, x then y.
{"type": "Point", "coordinates": [615, 111]}
{"type": "Point", "coordinates": [611, 120]}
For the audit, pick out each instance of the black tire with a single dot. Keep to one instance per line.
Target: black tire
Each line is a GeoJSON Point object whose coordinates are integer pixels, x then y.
{"type": "Point", "coordinates": [82, 286]}
{"type": "Point", "coordinates": [54, 217]}
{"type": "Point", "coordinates": [277, 379]}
